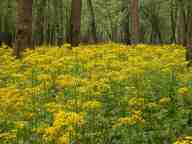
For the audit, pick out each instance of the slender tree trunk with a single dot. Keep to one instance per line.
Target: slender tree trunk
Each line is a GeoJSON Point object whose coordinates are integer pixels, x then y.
{"type": "Point", "coordinates": [126, 36]}
{"type": "Point", "coordinates": [180, 25]}
{"type": "Point", "coordinates": [127, 31]}
{"type": "Point", "coordinates": [93, 22]}
{"type": "Point", "coordinates": [158, 33]}
{"type": "Point", "coordinates": [60, 28]}
{"type": "Point", "coordinates": [135, 24]}
{"type": "Point", "coordinates": [23, 26]}
{"type": "Point", "coordinates": [189, 34]}
{"type": "Point", "coordinates": [39, 22]}
{"type": "Point", "coordinates": [75, 23]}
{"type": "Point", "coordinates": [125, 24]}
{"type": "Point", "coordinates": [173, 18]}
{"type": "Point", "coordinates": [185, 26]}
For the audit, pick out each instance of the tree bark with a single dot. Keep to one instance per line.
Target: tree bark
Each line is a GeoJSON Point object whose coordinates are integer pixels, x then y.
{"type": "Point", "coordinates": [93, 22]}
{"type": "Point", "coordinates": [23, 26]}
{"type": "Point", "coordinates": [135, 23]}
{"type": "Point", "coordinates": [180, 25]}
{"type": "Point", "coordinates": [173, 18]}
{"type": "Point", "coordinates": [75, 23]}
{"type": "Point", "coordinates": [189, 34]}
{"type": "Point", "coordinates": [39, 23]}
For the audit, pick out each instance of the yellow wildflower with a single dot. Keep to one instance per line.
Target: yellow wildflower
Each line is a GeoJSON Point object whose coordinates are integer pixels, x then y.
{"type": "Point", "coordinates": [92, 105]}
{"type": "Point", "coordinates": [64, 139]}
{"type": "Point", "coordinates": [184, 91]}
{"type": "Point", "coordinates": [44, 77]}
{"type": "Point", "coordinates": [62, 118]}
{"type": "Point", "coordinates": [7, 136]}
{"type": "Point", "coordinates": [164, 100]}
{"type": "Point", "coordinates": [152, 105]}
{"type": "Point", "coordinates": [184, 140]}
{"type": "Point", "coordinates": [53, 107]}
{"type": "Point", "coordinates": [20, 124]}
{"type": "Point", "coordinates": [51, 132]}
{"type": "Point", "coordinates": [65, 81]}
{"type": "Point", "coordinates": [136, 102]}
{"type": "Point", "coordinates": [129, 121]}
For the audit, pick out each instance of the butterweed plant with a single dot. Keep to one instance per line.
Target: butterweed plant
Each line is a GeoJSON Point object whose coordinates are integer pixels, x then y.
{"type": "Point", "coordinates": [99, 94]}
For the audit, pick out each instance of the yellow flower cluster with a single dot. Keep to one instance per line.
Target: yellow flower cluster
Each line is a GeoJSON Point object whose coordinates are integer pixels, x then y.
{"type": "Point", "coordinates": [63, 127]}
{"type": "Point", "coordinates": [12, 100]}
{"type": "Point", "coordinates": [92, 105]}
{"type": "Point", "coordinates": [62, 118]}
{"type": "Point", "coordinates": [44, 77]}
{"type": "Point", "coordinates": [136, 102]}
{"type": "Point", "coordinates": [164, 100]}
{"type": "Point", "coordinates": [135, 118]}
{"type": "Point", "coordinates": [184, 91]}
{"type": "Point", "coordinates": [184, 140]}
{"type": "Point", "coordinates": [8, 136]}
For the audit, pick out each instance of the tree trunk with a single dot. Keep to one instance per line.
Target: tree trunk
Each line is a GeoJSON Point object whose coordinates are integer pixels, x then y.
{"type": "Point", "coordinates": [75, 23]}
{"type": "Point", "coordinates": [173, 18]}
{"type": "Point", "coordinates": [23, 26]}
{"type": "Point", "coordinates": [135, 24]}
{"type": "Point", "coordinates": [39, 23]}
{"type": "Point", "coordinates": [180, 25]}
{"type": "Point", "coordinates": [189, 34]}
{"type": "Point", "coordinates": [127, 35]}
{"type": "Point", "coordinates": [93, 22]}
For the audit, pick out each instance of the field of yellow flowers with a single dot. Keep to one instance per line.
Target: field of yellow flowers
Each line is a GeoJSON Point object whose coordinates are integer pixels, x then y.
{"type": "Point", "coordinates": [96, 94]}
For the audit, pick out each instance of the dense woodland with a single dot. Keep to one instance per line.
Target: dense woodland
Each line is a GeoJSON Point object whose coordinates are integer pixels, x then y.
{"type": "Point", "coordinates": [127, 21]}
{"type": "Point", "coordinates": [95, 72]}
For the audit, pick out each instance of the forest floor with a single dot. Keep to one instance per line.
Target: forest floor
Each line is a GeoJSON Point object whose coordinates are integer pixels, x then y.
{"type": "Point", "coordinates": [96, 94]}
